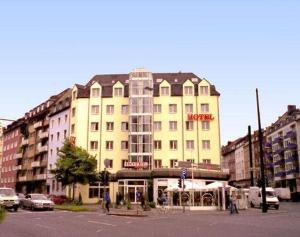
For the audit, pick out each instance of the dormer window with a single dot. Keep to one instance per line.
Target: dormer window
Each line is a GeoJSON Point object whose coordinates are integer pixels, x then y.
{"type": "Point", "coordinates": [74, 95]}
{"type": "Point", "coordinates": [118, 92]}
{"type": "Point", "coordinates": [188, 90]}
{"type": "Point", "coordinates": [203, 90]}
{"type": "Point", "coordinates": [165, 91]}
{"type": "Point", "coordinates": [95, 92]}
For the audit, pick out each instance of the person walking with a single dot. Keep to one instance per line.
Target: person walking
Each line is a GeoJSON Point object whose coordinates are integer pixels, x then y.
{"type": "Point", "coordinates": [107, 201]}
{"type": "Point", "coordinates": [233, 203]}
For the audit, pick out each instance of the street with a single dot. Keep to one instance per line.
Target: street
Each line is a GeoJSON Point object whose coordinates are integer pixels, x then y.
{"type": "Point", "coordinates": [251, 222]}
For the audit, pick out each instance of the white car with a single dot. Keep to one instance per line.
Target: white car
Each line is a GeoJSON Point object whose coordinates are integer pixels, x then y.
{"type": "Point", "coordinates": [37, 201]}
{"type": "Point", "coordinates": [9, 199]}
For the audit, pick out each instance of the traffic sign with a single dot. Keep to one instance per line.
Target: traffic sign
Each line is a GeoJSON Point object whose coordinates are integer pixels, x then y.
{"type": "Point", "coordinates": [183, 173]}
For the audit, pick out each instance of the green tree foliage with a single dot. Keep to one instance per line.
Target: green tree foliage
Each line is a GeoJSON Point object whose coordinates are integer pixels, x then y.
{"type": "Point", "coordinates": [75, 165]}
{"type": "Point", "coordinates": [2, 214]}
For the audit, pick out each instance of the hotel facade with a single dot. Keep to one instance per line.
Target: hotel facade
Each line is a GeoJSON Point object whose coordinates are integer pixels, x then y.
{"type": "Point", "coordinates": [142, 124]}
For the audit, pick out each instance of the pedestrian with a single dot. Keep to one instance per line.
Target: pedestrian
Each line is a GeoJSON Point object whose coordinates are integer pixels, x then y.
{"type": "Point", "coordinates": [233, 202]}
{"type": "Point", "coordinates": [142, 201]}
{"type": "Point", "coordinates": [107, 201]}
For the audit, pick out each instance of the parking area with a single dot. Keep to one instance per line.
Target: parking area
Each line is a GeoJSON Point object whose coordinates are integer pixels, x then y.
{"type": "Point", "coordinates": [25, 223]}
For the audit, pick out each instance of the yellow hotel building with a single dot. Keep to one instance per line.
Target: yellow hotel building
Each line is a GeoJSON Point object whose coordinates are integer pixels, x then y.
{"type": "Point", "coordinates": [142, 124]}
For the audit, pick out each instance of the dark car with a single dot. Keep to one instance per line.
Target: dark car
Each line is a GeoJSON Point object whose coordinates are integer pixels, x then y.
{"type": "Point", "coordinates": [21, 197]}
{"type": "Point", "coordinates": [58, 199]}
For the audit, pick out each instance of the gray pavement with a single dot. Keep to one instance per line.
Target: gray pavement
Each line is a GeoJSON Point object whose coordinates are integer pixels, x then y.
{"type": "Point", "coordinates": [251, 222]}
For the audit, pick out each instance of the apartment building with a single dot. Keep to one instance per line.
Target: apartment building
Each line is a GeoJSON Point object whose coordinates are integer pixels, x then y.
{"type": "Point", "coordinates": [282, 150]}
{"type": "Point", "coordinates": [58, 131]}
{"type": "Point", "coordinates": [32, 177]}
{"type": "Point", "coordinates": [141, 122]}
{"type": "Point", "coordinates": [1, 148]}
{"type": "Point", "coordinates": [11, 154]}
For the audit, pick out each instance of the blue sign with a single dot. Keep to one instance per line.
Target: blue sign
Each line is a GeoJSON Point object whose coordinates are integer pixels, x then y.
{"type": "Point", "coordinates": [183, 174]}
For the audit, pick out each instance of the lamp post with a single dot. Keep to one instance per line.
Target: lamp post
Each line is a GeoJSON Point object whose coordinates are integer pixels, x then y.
{"type": "Point", "coordinates": [262, 166]}
{"type": "Point", "coordinates": [250, 156]}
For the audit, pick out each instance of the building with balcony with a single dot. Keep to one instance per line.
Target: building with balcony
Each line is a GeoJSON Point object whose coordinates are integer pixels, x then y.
{"type": "Point", "coordinates": [142, 122]}
{"type": "Point", "coordinates": [1, 148]}
{"type": "Point", "coordinates": [282, 149]}
{"type": "Point", "coordinates": [32, 177]}
{"type": "Point", "coordinates": [11, 150]}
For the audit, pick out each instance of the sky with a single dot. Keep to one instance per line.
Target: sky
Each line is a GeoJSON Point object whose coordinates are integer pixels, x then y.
{"type": "Point", "coordinates": [47, 46]}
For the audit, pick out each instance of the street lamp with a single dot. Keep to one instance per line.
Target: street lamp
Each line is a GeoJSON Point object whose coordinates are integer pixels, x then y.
{"type": "Point", "coordinates": [262, 166]}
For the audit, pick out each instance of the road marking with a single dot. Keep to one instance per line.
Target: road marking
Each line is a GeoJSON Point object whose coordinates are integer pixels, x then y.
{"type": "Point", "coordinates": [98, 230]}
{"type": "Point", "coordinates": [44, 226]}
{"type": "Point", "coordinates": [101, 223]}
{"type": "Point", "coordinates": [128, 222]}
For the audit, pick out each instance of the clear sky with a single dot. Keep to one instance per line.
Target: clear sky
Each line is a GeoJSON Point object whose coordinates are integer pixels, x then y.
{"type": "Point", "coordinates": [47, 46]}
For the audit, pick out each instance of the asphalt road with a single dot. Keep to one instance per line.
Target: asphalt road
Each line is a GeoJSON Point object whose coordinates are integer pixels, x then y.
{"type": "Point", "coordinates": [284, 222]}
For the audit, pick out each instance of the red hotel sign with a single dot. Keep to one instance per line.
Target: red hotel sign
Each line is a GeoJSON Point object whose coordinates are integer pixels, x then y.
{"type": "Point", "coordinates": [129, 164]}
{"type": "Point", "coordinates": [207, 117]}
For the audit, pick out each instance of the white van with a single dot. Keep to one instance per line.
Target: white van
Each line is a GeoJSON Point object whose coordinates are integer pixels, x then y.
{"type": "Point", "coordinates": [9, 199]}
{"type": "Point", "coordinates": [283, 193]}
{"type": "Point", "coordinates": [255, 198]}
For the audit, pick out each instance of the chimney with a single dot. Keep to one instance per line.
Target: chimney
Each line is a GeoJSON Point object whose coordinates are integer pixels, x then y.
{"type": "Point", "coordinates": [291, 109]}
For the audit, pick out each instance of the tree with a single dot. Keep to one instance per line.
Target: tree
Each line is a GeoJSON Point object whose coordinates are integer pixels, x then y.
{"type": "Point", "coordinates": [75, 165]}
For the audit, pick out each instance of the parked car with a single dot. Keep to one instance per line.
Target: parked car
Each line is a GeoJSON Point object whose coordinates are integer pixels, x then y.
{"type": "Point", "coordinates": [255, 197]}
{"type": "Point", "coordinates": [283, 194]}
{"type": "Point", "coordinates": [21, 197]}
{"type": "Point", "coordinates": [37, 201]}
{"type": "Point", "coordinates": [58, 199]}
{"type": "Point", "coordinates": [9, 199]}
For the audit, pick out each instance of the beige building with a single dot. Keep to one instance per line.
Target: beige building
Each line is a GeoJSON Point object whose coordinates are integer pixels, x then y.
{"type": "Point", "coordinates": [143, 121]}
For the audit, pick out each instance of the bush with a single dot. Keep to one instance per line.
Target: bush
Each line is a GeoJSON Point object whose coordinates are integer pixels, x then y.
{"type": "Point", "coordinates": [2, 214]}
{"type": "Point", "coordinates": [152, 204]}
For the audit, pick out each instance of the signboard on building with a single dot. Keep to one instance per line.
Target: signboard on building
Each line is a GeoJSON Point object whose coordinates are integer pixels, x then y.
{"type": "Point", "coordinates": [183, 164]}
{"type": "Point", "coordinates": [129, 164]}
{"type": "Point", "coordinates": [203, 117]}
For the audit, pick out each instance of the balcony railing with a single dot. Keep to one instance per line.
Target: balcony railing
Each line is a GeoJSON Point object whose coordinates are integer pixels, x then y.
{"type": "Point", "coordinates": [277, 140]}
{"type": "Point", "coordinates": [268, 145]}
{"type": "Point", "coordinates": [22, 178]}
{"type": "Point", "coordinates": [17, 167]}
{"type": "Point", "coordinates": [24, 142]}
{"type": "Point", "coordinates": [280, 174]}
{"type": "Point", "coordinates": [43, 135]}
{"type": "Point", "coordinates": [291, 146]}
{"type": "Point", "coordinates": [35, 164]}
{"type": "Point", "coordinates": [292, 171]}
{"type": "Point", "coordinates": [291, 159]}
{"type": "Point", "coordinates": [40, 176]}
{"type": "Point", "coordinates": [41, 149]}
{"type": "Point", "coordinates": [38, 124]}
{"type": "Point", "coordinates": [279, 162]}
{"type": "Point", "coordinates": [279, 151]}
{"type": "Point", "coordinates": [290, 134]}
{"type": "Point", "coordinates": [269, 165]}
{"type": "Point", "coordinates": [18, 155]}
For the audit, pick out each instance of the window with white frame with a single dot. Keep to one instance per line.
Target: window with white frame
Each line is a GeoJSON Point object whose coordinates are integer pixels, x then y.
{"type": "Point", "coordinates": [73, 128]}
{"type": "Point", "coordinates": [205, 125]}
{"type": "Point", "coordinates": [204, 108]}
{"type": "Point", "coordinates": [124, 109]}
{"type": "Point", "coordinates": [172, 108]}
{"type": "Point", "coordinates": [203, 90]}
{"type": "Point", "coordinates": [95, 92]}
{"type": "Point", "coordinates": [190, 144]}
{"type": "Point", "coordinates": [157, 164]}
{"type": "Point", "coordinates": [109, 126]}
{"type": "Point", "coordinates": [165, 91]}
{"type": "Point", "coordinates": [191, 160]}
{"type": "Point", "coordinates": [157, 145]}
{"type": "Point", "coordinates": [124, 145]}
{"type": "Point", "coordinates": [95, 109]}
{"type": "Point", "coordinates": [94, 145]}
{"type": "Point", "coordinates": [188, 108]}
{"type": "Point", "coordinates": [94, 126]}
{"type": "Point", "coordinates": [206, 161]}
{"type": "Point", "coordinates": [157, 125]}
{"type": "Point", "coordinates": [173, 163]}
{"type": "Point", "coordinates": [109, 145]}
{"type": "Point", "coordinates": [109, 109]}
{"type": "Point", "coordinates": [117, 91]}
{"type": "Point", "coordinates": [189, 125]}
{"type": "Point", "coordinates": [73, 114]}
{"type": "Point", "coordinates": [173, 144]}
{"type": "Point", "coordinates": [124, 126]}
{"type": "Point", "coordinates": [157, 108]}
{"type": "Point", "coordinates": [66, 118]}
{"type": "Point", "coordinates": [188, 90]}
{"type": "Point", "coordinates": [206, 144]}
{"type": "Point", "coordinates": [173, 125]}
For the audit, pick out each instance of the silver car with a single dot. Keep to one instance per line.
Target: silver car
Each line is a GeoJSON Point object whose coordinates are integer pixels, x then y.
{"type": "Point", "coordinates": [37, 201]}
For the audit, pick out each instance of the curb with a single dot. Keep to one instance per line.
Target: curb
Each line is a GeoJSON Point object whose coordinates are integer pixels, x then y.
{"type": "Point", "coordinates": [127, 214]}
